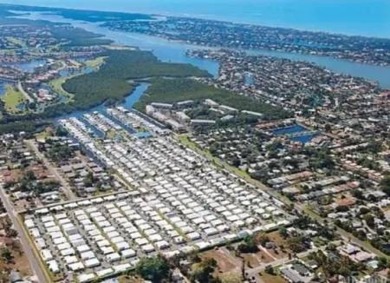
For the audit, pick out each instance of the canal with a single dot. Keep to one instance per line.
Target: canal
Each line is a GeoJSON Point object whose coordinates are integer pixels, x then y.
{"type": "Point", "coordinates": [172, 51]}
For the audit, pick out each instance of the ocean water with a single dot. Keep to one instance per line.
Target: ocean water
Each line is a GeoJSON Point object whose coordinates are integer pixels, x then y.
{"type": "Point", "coordinates": [171, 51]}
{"type": "Point", "coordinates": [358, 17]}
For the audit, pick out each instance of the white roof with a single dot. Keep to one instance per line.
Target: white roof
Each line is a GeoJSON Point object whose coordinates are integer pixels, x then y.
{"type": "Point", "coordinates": [86, 277]}
{"type": "Point", "coordinates": [53, 266]}
{"type": "Point", "coordinates": [128, 253]}
{"type": "Point", "coordinates": [83, 248]}
{"type": "Point", "coordinates": [76, 266]}
{"type": "Point", "coordinates": [104, 272]}
{"type": "Point", "coordinates": [87, 255]}
{"type": "Point", "coordinates": [113, 257]}
{"type": "Point", "coordinates": [93, 262]}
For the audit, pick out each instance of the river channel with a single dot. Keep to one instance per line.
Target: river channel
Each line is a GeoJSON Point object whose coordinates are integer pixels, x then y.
{"type": "Point", "coordinates": [170, 51]}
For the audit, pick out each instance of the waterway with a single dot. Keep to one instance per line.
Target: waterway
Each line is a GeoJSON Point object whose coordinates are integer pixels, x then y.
{"type": "Point", "coordinates": [135, 95]}
{"type": "Point", "coordinates": [170, 51]}
{"type": "Point", "coordinates": [29, 66]}
{"type": "Point", "coordinates": [128, 102]}
{"type": "Point", "coordinates": [2, 88]}
{"type": "Point", "coordinates": [359, 17]}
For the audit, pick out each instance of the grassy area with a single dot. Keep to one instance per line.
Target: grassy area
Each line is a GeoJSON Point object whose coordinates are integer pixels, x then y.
{"type": "Point", "coordinates": [56, 86]}
{"type": "Point", "coordinates": [95, 63]}
{"type": "Point", "coordinates": [173, 90]}
{"type": "Point", "coordinates": [268, 278]}
{"type": "Point", "coordinates": [12, 98]}
{"type": "Point", "coordinates": [43, 135]}
{"type": "Point", "coordinates": [128, 279]}
{"type": "Point", "coordinates": [16, 41]}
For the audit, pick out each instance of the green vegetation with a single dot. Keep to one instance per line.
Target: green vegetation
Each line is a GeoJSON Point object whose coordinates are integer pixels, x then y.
{"type": "Point", "coordinates": [12, 98]}
{"type": "Point", "coordinates": [78, 36]}
{"type": "Point", "coordinates": [385, 184]}
{"type": "Point", "coordinates": [173, 90]}
{"type": "Point", "coordinates": [56, 86]}
{"type": "Point", "coordinates": [270, 270]}
{"type": "Point", "coordinates": [335, 265]}
{"type": "Point", "coordinates": [79, 15]}
{"type": "Point", "coordinates": [155, 269]}
{"type": "Point", "coordinates": [72, 36]}
{"type": "Point", "coordinates": [249, 245]}
{"type": "Point", "coordinates": [59, 152]}
{"type": "Point", "coordinates": [22, 126]}
{"type": "Point", "coordinates": [111, 81]}
{"type": "Point", "coordinates": [203, 271]}
{"type": "Point", "coordinates": [6, 255]}
{"type": "Point", "coordinates": [95, 63]}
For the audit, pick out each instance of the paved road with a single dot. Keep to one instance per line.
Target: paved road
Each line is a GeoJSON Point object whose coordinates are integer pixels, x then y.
{"type": "Point", "coordinates": [53, 170]}
{"type": "Point", "coordinates": [298, 206]}
{"type": "Point", "coordinates": [34, 262]}
{"type": "Point", "coordinates": [255, 271]}
{"type": "Point", "coordinates": [25, 94]}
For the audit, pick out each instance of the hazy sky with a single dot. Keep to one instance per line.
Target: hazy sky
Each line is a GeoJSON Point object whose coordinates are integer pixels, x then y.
{"type": "Point", "coordinates": [346, 16]}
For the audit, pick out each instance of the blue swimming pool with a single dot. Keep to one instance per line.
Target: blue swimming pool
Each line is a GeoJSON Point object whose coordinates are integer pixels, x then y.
{"type": "Point", "coordinates": [295, 133]}
{"type": "Point", "coordinates": [289, 130]}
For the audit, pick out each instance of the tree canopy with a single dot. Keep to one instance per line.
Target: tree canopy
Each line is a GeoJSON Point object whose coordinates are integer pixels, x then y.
{"type": "Point", "coordinates": [155, 269]}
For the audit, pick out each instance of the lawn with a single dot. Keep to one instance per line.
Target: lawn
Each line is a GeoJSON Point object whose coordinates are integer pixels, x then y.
{"type": "Point", "coordinates": [95, 63]}
{"type": "Point", "coordinates": [16, 41]}
{"type": "Point", "coordinates": [128, 279]}
{"type": "Point", "coordinates": [268, 278]}
{"type": "Point", "coordinates": [12, 98]}
{"type": "Point", "coordinates": [56, 86]}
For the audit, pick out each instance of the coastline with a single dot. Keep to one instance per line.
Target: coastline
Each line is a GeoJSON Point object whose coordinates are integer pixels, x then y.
{"type": "Point", "coordinates": [276, 15]}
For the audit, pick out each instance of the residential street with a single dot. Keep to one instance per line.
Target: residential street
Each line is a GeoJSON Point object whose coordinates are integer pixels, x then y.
{"type": "Point", "coordinates": [34, 262]}
{"type": "Point", "coordinates": [64, 184]}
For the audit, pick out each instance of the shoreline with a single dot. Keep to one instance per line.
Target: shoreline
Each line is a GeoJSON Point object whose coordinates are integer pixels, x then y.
{"type": "Point", "coordinates": [208, 17]}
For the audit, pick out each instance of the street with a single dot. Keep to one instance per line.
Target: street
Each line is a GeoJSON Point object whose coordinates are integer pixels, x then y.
{"type": "Point", "coordinates": [24, 239]}
{"type": "Point", "coordinates": [53, 170]}
{"type": "Point", "coordinates": [298, 206]}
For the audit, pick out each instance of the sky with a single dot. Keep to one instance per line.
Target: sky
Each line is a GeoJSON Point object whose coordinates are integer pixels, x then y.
{"type": "Point", "coordinates": [366, 17]}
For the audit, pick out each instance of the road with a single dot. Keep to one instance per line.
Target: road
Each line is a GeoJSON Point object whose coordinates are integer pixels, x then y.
{"type": "Point", "coordinates": [25, 94]}
{"type": "Point", "coordinates": [298, 206]}
{"type": "Point", "coordinates": [254, 272]}
{"type": "Point", "coordinates": [67, 190]}
{"type": "Point", "coordinates": [24, 239]}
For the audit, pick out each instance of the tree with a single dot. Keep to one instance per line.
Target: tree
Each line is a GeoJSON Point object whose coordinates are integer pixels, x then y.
{"type": "Point", "coordinates": [29, 176]}
{"type": "Point", "coordinates": [283, 232]}
{"type": "Point", "coordinates": [6, 255]}
{"type": "Point", "coordinates": [61, 131]}
{"type": "Point", "coordinates": [269, 269]}
{"type": "Point", "coordinates": [155, 269]}
{"type": "Point", "coordinates": [203, 271]}
{"type": "Point", "coordinates": [358, 194]}
{"type": "Point", "coordinates": [249, 245]}
{"type": "Point", "coordinates": [382, 262]}
{"type": "Point", "coordinates": [370, 220]}
{"type": "Point", "coordinates": [385, 184]}
{"type": "Point", "coordinates": [296, 244]}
